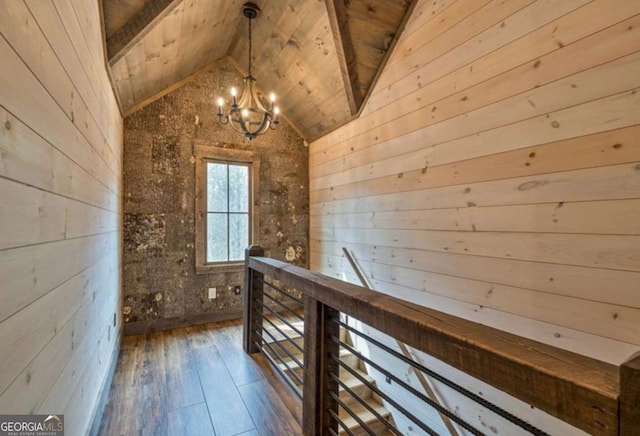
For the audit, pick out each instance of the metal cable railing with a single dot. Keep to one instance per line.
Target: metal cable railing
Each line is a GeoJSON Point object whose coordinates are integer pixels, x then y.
{"type": "Point", "coordinates": [460, 389]}
{"type": "Point", "coordinates": [326, 362]}
{"type": "Point", "coordinates": [278, 335]}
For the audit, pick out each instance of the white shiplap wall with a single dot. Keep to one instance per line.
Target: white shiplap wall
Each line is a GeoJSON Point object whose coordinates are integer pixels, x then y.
{"type": "Point", "coordinates": [494, 173]}
{"type": "Point", "coordinates": [60, 219]}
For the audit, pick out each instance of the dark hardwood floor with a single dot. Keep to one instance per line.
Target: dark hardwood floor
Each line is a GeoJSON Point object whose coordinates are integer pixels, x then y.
{"type": "Point", "coordinates": [197, 381]}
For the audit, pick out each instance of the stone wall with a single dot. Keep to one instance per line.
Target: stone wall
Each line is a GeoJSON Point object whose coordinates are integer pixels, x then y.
{"type": "Point", "coordinates": [161, 288]}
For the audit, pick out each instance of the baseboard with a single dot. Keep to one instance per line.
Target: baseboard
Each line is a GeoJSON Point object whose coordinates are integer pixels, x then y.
{"type": "Point", "coordinates": [103, 396]}
{"type": "Point", "coordinates": [157, 325]}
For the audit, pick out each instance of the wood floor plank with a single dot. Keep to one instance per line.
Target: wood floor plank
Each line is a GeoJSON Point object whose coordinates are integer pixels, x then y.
{"type": "Point", "coordinates": [191, 421]}
{"type": "Point", "coordinates": [270, 414]}
{"type": "Point", "coordinates": [185, 382]}
{"type": "Point", "coordinates": [226, 408]}
{"type": "Point", "coordinates": [242, 369]}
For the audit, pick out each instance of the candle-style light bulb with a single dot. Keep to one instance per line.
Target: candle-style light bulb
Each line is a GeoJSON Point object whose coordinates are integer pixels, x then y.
{"type": "Point", "coordinates": [276, 111]}
{"type": "Point", "coordinates": [272, 97]}
{"type": "Point", "coordinates": [245, 113]}
{"type": "Point", "coordinates": [220, 103]}
{"type": "Point", "coordinates": [234, 92]}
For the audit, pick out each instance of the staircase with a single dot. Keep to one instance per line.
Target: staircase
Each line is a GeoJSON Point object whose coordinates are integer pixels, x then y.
{"type": "Point", "coordinates": [288, 365]}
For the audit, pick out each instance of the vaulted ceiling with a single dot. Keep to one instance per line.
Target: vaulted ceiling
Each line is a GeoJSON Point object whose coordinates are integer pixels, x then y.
{"type": "Point", "coordinates": [321, 58]}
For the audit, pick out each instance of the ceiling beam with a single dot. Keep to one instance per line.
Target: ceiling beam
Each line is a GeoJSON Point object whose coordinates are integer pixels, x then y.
{"type": "Point", "coordinates": [346, 55]}
{"type": "Point", "coordinates": [138, 27]}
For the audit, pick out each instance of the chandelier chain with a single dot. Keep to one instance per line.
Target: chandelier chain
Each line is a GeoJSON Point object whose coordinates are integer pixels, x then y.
{"type": "Point", "coordinates": [250, 47]}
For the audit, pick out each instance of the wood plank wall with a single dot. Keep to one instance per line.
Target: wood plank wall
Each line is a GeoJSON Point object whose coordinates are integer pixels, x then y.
{"type": "Point", "coordinates": [60, 203]}
{"type": "Point", "coordinates": [494, 173]}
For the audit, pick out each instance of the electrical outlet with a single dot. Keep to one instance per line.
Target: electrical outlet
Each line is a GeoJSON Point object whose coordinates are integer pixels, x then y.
{"type": "Point", "coordinates": [212, 293]}
{"type": "Point", "coordinates": [237, 290]}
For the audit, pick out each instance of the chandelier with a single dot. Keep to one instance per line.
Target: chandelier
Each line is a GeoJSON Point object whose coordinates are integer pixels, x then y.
{"type": "Point", "coordinates": [250, 115]}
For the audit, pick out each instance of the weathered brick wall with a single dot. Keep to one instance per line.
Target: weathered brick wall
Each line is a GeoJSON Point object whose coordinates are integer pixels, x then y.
{"type": "Point", "coordinates": [159, 279]}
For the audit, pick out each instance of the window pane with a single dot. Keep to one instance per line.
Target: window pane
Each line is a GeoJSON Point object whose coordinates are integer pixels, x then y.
{"type": "Point", "coordinates": [239, 234]}
{"type": "Point", "coordinates": [216, 237]}
{"type": "Point", "coordinates": [216, 187]}
{"type": "Point", "coordinates": [238, 188]}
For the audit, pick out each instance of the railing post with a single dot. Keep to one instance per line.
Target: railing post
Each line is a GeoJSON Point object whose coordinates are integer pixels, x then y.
{"type": "Point", "coordinates": [253, 287]}
{"type": "Point", "coordinates": [318, 385]}
{"type": "Point", "coordinates": [630, 397]}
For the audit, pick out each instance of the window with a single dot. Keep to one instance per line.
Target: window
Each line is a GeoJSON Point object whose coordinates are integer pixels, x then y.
{"type": "Point", "coordinates": [225, 216]}
{"type": "Point", "coordinates": [227, 211]}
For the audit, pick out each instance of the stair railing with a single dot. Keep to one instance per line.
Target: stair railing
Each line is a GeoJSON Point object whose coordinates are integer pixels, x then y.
{"type": "Point", "coordinates": [599, 398]}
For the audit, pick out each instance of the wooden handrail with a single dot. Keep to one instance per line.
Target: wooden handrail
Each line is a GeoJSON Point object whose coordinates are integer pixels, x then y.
{"type": "Point", "coordinates": [574, 388]}
{"type": "Point", "coordinates": [630, 397]}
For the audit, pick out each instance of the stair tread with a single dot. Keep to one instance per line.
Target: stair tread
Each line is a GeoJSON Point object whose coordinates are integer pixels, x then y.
{"type": "Point", "coordinates": [363, 413]}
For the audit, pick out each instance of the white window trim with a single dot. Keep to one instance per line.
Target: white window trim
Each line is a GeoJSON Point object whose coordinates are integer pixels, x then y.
{"type": "Point", "coordinates": [204, 154]}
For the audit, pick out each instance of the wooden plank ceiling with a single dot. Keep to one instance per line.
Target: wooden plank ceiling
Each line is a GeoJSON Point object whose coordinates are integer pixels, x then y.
{"type": "Point", "coordinates": [320, 58]}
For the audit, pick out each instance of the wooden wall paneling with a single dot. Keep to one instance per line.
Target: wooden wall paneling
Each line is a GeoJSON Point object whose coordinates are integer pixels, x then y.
{"type": "Point", "coordinates": [475, 22]}
{"type": "Point", "coordinates": [598, 149]}
{"type": "Point", "coordinates": [60, 170]}
{"type": "Point", "coordinates": [88, 17]}
{"type": "Point", "coordinates": [28, 272]}
{"type": "Point", "coordinates": [491, 28]}
{"type": "Point", "coordinates": [99, 100]}
{"type": "Point", "coordinates": [30, 159]}
{"type": "Point", "coordinates": [618, 252]}
{"type": "Point", "coordinates": [29, 216]}
{"type": "Point", "coordinates": [597, 347]}
{"type": "Point", "coordinates": [418, 33]}
{"type": "Point", "coordinates": [601, 149]}
{"type": "Point", "coordinates": [605, 183]}
{"type": "Point", "coordinates": [33, 102]}
{"type": "Point", "coordinates": [122, 82]}
{"type": "Point", "coordinates": [524, 51]}
{"type": "Point", "coordinates": [608, 113]}
{"type": "Point", "coordinates": [100, 361]}
{"type": "Point", "coordinates": [564, 280]}
{"type": "Point", "coordinates": [540, 100]}
{"type": "Point", "coordinates": [82, 25]}
{"type": "Point", "coordinates": [424, 12]}
{"type": "Point", "coordinates": [589, 52]}
{"type": "Point", "coordinates": [28, 332]}
{"type": "Point", "coordinates": [36, 52]}
{"type": "Point", "coordinates": [480, 147]}
{"type": "Point", "coordinates": [611, 217]}
{"type": "Point", "coordinates": [83, 220]}
{"type": "Point", "coordinates": [611, 321]}
{"type": "Point", "coordinates": [92, 353]}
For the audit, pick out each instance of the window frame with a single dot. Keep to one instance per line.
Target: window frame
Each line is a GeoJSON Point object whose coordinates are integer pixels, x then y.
{"type": "Point", "coordinates": [203, 155]}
